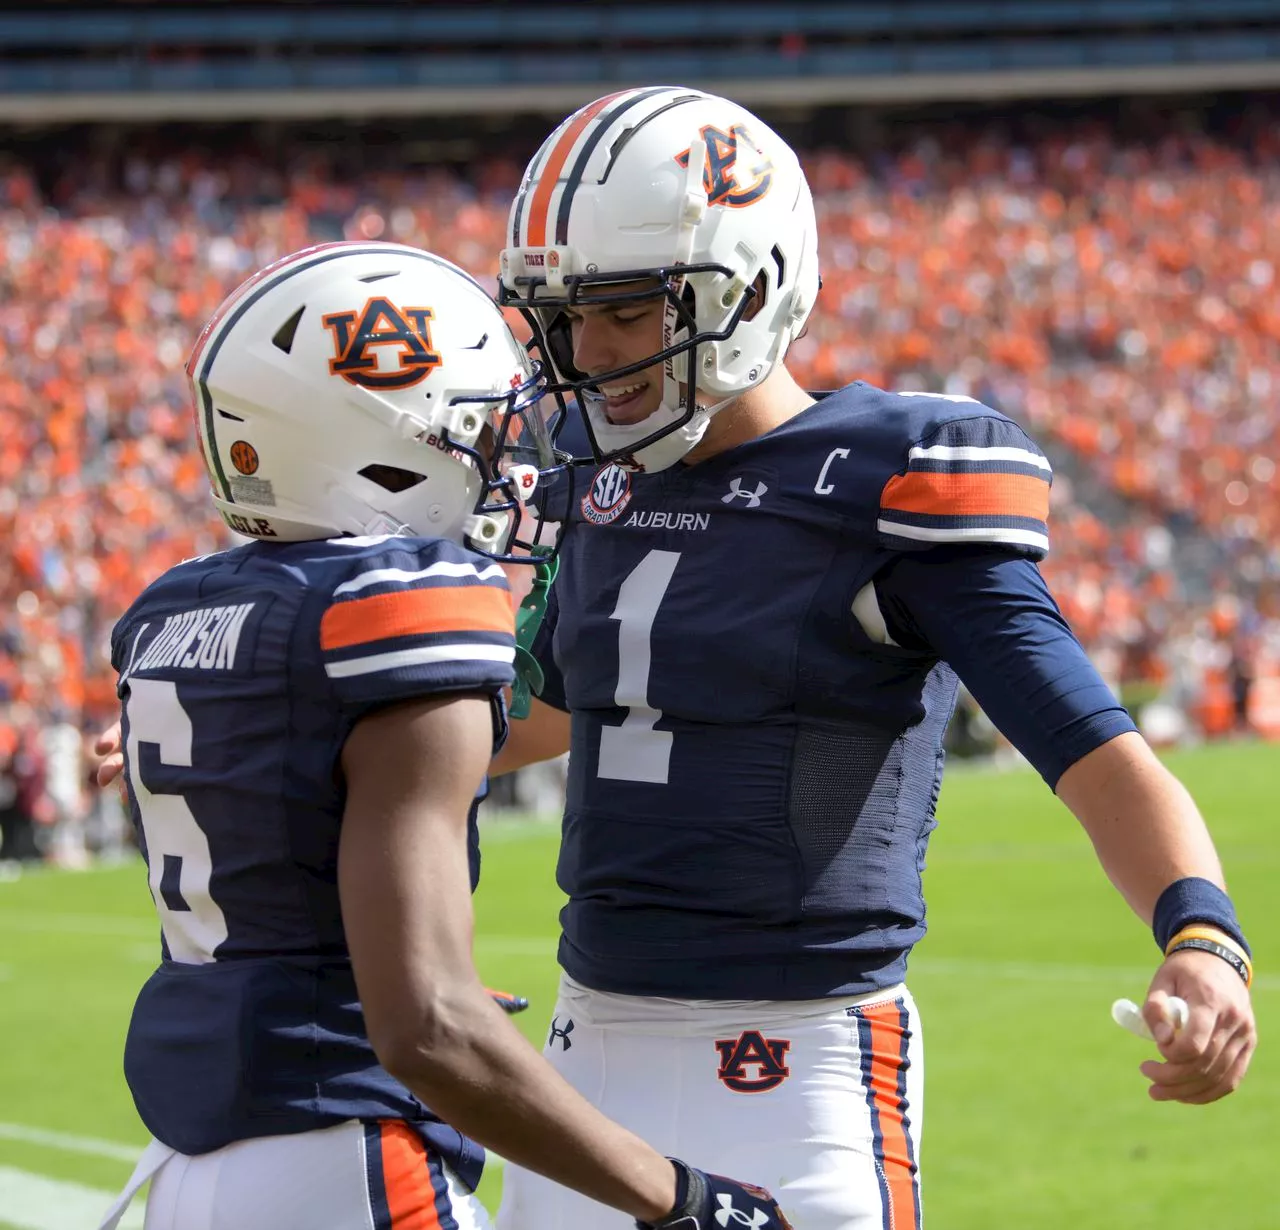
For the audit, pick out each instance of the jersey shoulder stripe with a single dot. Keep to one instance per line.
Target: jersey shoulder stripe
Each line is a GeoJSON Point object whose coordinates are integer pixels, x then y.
{"type": "Point", "coordinates": [416, 618]}
{"type": "Point", "coordinates": [979, 479]}
{"type": "Point", "coordinates": [443, 570]}
{"type": "Point", "coordinates": [415, 612]}
{"type": "Point", "coordinates": [423, 655]}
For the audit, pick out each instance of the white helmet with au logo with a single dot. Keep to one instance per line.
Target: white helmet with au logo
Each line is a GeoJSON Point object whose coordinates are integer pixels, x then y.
{"type": "Point", "coordinates": [369, 388]}
{"type": "Point", "coordinates": [672, 194]}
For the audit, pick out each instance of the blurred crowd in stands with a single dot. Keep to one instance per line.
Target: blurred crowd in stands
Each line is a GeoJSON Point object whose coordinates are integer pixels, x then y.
{"type": "Point", "coordinates": [1114, 287]}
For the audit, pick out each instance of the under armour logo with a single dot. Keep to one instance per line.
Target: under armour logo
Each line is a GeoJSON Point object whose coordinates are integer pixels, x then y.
{"type": "Point", "coordinates": [736, 492]}
{"type": "Point", "coordinates": [729, 1214]}
{"type": "Point", "coordinates": [562, 1034]}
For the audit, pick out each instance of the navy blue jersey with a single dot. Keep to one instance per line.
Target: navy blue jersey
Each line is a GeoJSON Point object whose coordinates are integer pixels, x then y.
{"type": "Point", "coordinates": [757, 728]}
{"type": "Point", "coordinates": [241, 676]}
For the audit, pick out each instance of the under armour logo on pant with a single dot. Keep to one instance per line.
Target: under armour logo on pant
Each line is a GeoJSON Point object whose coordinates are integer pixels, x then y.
{"type": "Point", "coordinates": [736, 492]}
{"type": "Point", "coordinates": [729, 1214]}
{"type": "Point", "coordinates": [562, 1034]}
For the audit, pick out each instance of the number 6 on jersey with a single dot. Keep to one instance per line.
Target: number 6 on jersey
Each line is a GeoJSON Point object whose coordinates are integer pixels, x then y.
{"type": "Point", "coordinates": [179, 864]}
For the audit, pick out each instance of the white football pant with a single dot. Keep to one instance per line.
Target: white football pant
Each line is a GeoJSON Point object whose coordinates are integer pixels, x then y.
{"type": "Point", "coordinates": [356, 1176]}
{"type": "Point", "coordinates": [820, 1101]}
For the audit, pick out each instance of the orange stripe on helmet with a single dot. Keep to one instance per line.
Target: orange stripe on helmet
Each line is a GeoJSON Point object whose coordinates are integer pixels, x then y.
{"type": "Point", "coordinates": [417, 612]}
{"type": "Point", "coordinates": [540, 206]}
{"type": "Point", "coordinates": [411, 1197]}
{"type": "Point", "coordinates": [886, 1067]}
{"type": "Point", "coordinates": [968, 495]}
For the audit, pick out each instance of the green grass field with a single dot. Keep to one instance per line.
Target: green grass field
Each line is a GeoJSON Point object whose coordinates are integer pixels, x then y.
{"type": "Point", "coordinates": [1037, 1114]}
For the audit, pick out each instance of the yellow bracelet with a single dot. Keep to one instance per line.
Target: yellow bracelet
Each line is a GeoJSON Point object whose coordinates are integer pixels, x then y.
{"type": "Point", "coordinates": [1206, 931]}
{"type": "Point", "coordinates": [1203, 931]}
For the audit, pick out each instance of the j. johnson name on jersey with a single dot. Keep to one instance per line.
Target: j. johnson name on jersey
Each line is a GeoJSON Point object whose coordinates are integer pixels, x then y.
{"type": "Point", "coordinates": [204, 639]}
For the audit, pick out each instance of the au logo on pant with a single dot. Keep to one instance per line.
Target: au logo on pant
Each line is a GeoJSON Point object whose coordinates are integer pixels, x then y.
{"type": "Point", "coordinates": [752, 1063]}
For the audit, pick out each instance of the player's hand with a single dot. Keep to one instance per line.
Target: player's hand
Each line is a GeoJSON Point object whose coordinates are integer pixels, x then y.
{"type": "Point", "coordinates": [709, 1201]}
{"type": "Point", "coordinates": [111, 759]}
{"type": "Point", "coordinates": [509, 1003]}
{"type": "Point", "coordinates": [1208, 1057]}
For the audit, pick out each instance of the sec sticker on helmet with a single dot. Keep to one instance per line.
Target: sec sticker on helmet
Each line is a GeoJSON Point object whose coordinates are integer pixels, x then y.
{"type": "Point", "coordinates": [244, 457]}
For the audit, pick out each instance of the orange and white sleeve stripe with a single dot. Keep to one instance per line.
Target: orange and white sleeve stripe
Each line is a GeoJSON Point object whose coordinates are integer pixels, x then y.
{"type": "Point", "coordinates": [976, 480]}
{"type": "Point", "coordinates": [446, 625]}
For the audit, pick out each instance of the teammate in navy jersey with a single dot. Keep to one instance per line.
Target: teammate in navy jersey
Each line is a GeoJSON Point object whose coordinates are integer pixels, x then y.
{"type": "Point", "coordinates": [764, 604]}
{"type": "Point", "coordinates": [307, 724]}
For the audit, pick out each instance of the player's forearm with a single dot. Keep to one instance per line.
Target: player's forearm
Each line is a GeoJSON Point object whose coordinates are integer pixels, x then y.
{"type": "Point", "coordinates": [543, 735]}
{"type": "Point", "coordinates": [404, 880]}
{"type": "Point", "coordinates": [477, 1071]}
{"type": "Point", "coordinates": [1145, 827]}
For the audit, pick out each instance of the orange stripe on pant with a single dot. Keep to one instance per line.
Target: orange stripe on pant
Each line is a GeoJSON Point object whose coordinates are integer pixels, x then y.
{"type": "Point", "coordinates": [968, 495]}
{"type": "Point", "coordinates": [415, 612]}
{"type": "Point", "coordinates": [549, 175]}
{"type": "Point", "coordinates": [411, 1197]}
{"type": "Point", "coordinates": [887, 1064]}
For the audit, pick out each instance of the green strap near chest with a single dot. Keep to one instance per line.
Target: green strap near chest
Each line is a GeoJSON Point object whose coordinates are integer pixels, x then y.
{"type": "Point", "coordinates": [529, 617]}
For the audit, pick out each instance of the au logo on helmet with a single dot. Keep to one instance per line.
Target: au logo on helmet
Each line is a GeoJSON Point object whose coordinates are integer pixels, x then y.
{"type": "Point", "coordinates": [403, 332]}
{"type": "Point", "coordinates": [720, 175]}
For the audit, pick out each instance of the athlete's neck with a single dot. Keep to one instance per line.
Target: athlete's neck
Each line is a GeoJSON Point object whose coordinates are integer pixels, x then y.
{"type": "Point", "coordinates": [753, 414]}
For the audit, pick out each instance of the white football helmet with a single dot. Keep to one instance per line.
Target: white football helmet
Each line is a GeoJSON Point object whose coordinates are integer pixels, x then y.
{"type": "Point", "coordinates": [369, 388]}
{"type": "Point", "coordinates": [694, 193]}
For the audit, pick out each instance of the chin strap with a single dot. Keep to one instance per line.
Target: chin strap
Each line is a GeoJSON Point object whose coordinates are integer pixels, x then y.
{"type": "Point", "coordinates": [529, 616]}
{"type": "Point", "coordinates": [659, 454]}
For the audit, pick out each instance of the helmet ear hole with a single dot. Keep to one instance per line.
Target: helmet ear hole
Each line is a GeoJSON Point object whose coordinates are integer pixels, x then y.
{"type": "Point", "coordinates": [685, 323]}
{"type": "Point", "coordinates": [560, 344]}
{"type": "Point", "coordinates": [392, 478]}
{"type": "Point", "coordinates": [761, 288]}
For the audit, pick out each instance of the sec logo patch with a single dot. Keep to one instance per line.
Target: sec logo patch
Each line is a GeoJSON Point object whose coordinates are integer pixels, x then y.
{"type": "Point", "coordinates": [608, 495]}
{"type": "Point", "coordinates": [244, 457]}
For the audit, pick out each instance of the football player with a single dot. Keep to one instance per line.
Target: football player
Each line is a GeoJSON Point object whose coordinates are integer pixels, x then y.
{"type": "Point", "coordinates": [764, 604]}
{"type": "Point", "coordinates": [307, 723]}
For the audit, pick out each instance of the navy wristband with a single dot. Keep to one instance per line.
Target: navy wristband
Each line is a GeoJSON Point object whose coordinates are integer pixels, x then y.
{"type": "Point", "coordinates": [1195, 900]}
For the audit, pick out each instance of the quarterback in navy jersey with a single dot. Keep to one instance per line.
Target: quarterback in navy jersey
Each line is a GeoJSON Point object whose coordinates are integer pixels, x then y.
{"type": "Point", "coordinates": [765, 603]}
{"type": "Point", "coordinates": [807, 607]}
{"type": "Point", "coordinates": [307, 724]}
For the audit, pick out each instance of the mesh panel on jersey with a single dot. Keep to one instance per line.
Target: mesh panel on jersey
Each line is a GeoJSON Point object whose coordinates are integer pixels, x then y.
{"type": "Point", "coordinates": [861, 806]}
{"type": "Point", "coordinates": [843, 787]}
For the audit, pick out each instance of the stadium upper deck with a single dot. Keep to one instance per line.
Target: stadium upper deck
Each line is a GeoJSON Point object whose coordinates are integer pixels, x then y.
{"type": "Point", "coordinates": [196, 59]}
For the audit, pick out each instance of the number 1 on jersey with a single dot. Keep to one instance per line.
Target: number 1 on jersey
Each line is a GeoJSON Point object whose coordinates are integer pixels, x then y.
{"type": "Point", "coordinates": [635, 751]}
